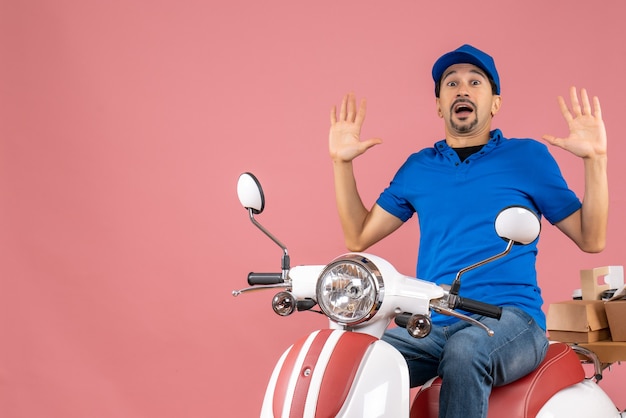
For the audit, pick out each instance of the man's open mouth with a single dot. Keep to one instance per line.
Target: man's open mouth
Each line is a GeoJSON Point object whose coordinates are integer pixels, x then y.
{"type": "Point", "coordinates": [463, 108]}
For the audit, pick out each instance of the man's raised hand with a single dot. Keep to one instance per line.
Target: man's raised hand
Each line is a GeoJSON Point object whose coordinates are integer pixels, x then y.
{"type": "Point", "coordinates": [587, 134]}
{"type": "Point", "coordinates": [344, 138]}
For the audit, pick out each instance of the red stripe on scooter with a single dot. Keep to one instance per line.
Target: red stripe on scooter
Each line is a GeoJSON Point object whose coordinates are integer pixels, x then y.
{"type": "Point", "coordinates": [303, 382]}
{"type": "Point", "coordinates": [343, 364]}
{"type": "Point", "coordinates": [340, 372]}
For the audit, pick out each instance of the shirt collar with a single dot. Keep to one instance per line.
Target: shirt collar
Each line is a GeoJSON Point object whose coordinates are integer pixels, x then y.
{"type": "Point", "coordinates": [495, 138]}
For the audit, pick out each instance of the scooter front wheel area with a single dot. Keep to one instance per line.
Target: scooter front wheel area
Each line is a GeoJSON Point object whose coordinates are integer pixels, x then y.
{"type": "Point", "coordinates": [340, 374]}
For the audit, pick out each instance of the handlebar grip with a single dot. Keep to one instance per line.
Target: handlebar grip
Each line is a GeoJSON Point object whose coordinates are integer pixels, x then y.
{"type": "Point", "coordinates": [264, 278]}
{"type": "Point", "coordinates": [480, 308]}
{"type": "Point", "coordinates": [402, 319]}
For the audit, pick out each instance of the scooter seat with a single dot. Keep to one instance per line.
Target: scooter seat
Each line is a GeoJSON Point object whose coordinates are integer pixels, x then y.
{"type": "Point", "coordinates": [523, 398]}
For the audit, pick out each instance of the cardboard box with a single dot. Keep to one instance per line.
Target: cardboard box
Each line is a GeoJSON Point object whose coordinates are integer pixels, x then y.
{"type": "Point", "coordinates": [616, 316]}
{"type": "Point", "coordinates": [590, 283]}
{"type": "Point", "coordinates": [578, 321]}
{"type": "Point", "coordinates": [607, 351]}
{"type": "Point", "coordinates": [580, 337]}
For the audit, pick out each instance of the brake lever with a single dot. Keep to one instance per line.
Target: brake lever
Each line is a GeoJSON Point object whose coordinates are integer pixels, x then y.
{"type": "Point", "coordinates": [441, 307]}
{"type": "Point", "coordinates": [236, 293]}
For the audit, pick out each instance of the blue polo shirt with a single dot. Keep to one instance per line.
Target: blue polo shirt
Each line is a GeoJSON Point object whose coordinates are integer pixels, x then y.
{"type": "Point", "coordinates": [456, 204]}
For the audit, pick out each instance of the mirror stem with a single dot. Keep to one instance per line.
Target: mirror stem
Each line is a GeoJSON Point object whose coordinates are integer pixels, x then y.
{"type": "Point", "coordinates": [285, 263]}
{"type": "Point", "coordinates": [456, 285]}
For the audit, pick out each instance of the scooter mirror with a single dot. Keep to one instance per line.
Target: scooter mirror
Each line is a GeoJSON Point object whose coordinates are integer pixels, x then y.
{"type": "Point", "coordinates": [250, 193]}
{"type": "Point", "coordinates": [518, 224]}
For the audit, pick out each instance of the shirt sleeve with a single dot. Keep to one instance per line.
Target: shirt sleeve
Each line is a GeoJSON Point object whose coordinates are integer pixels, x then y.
{"type": "Point", "coordinates": [392, 198]}
{"type": "Point", "coordinates": [553, 197]}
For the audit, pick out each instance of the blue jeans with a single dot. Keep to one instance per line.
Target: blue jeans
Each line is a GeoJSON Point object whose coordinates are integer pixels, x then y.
{"type": "Point", "coordinates": [469, 361]}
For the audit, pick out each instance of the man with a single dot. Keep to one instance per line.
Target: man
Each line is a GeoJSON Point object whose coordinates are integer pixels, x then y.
{"type": "Point", "coordinates": [457, 187]}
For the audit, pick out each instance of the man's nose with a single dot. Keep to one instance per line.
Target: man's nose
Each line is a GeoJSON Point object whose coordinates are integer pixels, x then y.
{"type": "Point", "coordinates": [462, 90]}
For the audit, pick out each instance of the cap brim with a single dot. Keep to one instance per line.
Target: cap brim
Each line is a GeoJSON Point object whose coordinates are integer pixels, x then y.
{"type": "Point", "coordinates": [456, 57]}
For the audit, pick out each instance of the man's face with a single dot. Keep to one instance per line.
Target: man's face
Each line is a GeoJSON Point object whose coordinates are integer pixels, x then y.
{"type": "Point", "coordinates": [466, 102]}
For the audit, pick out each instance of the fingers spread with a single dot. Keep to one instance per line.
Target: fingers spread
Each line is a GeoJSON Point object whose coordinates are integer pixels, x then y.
{"type": "Point", "coordinates": [596, 108]}
{"type": "Point", "coordinates": [585, 100]}
{"type": "Point", "coordinates": [564, 109]}
{"type": "Point", "coordinates": [360, 116]}
{"type": "Point", "coordinates": [343, 110]}
{"type": "Point", "coordinates": [575, 103]}
{"type": "Point", "coordinates": [553, 140]}
{"type": "Point", "coordinates": [351, 107]}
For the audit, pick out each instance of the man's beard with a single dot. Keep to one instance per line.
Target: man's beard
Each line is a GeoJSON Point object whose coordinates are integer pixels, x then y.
{"type": "Point", "coordinates": [463, 128]}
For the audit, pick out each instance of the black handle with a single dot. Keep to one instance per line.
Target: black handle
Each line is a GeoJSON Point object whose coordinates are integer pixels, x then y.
{"type": "Point", "coordinates": [402, 319]}
{"type": "Point", "coordinates": [305, 304]}
{"type": "Point", "coordinates": [480, 308]}
{"type": "Point", "coordinates": [264, 278]}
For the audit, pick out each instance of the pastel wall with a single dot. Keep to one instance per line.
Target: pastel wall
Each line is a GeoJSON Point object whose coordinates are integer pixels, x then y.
{"type": "Point", "coordinates": [125, 124]}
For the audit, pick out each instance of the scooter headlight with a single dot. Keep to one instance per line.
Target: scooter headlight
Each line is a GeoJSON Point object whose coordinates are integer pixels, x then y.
{"type": "Point", "coordinates": [350, 289]}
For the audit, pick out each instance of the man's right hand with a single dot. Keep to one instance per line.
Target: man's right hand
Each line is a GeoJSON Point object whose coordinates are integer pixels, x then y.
{"type": "Point", "coordinates": [344, 138]}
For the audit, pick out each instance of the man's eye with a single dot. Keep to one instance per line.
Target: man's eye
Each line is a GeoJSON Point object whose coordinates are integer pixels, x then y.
{"type": "Point", "coordinates": [451, 84]}
{"type": "Point", "coordinates": [475, 83]}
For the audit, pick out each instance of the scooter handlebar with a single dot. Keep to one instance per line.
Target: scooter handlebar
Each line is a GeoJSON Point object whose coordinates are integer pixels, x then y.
{"type": "Point", "coordinates": [480, 308]}
{"type": "Point", "coordinates": [264, 278]}
{"type": "Point", "coordinates": [402, 320]}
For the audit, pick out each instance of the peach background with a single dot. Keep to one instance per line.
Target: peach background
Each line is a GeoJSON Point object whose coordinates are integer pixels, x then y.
{"type": "Point", "coordinates": [124, 126]}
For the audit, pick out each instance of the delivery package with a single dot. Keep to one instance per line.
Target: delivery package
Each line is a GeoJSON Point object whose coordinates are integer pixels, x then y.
{"type": "Point", "coordinates": [615, 309]}
{"type": "Point", "coordinates": [578, 321]}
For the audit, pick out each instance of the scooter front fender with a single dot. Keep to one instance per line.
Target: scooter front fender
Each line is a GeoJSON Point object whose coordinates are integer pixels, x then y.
{"type": "Point", "coordinates": [340, 374]}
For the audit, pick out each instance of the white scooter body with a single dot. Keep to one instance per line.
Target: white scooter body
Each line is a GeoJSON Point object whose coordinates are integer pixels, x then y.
{"type": "Point", "coordinates": [378, 385]}
{"type": "Point", "coordinates": [584, 399]}
{"type": "Point", "coordinates": [306, 383]}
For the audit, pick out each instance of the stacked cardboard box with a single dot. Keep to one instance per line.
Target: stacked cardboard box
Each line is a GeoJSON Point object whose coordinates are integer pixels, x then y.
{"type": "Point", "coordinates": [590, 319]}
{"type": "Point", "coordinates": [616, 315]}
{"type": "Point", "coordinates": [578, 321]}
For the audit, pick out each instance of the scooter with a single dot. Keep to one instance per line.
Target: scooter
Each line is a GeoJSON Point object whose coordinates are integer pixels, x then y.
{"type": "Point", "coordinates": [346, 370]}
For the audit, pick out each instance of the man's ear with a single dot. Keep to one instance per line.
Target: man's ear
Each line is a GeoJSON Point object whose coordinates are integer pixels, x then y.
{"type": "Point", "coordinates": [495, 105]}
{"type": "Point", "coordinates": [438, 108]}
